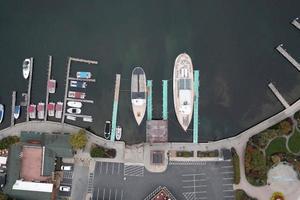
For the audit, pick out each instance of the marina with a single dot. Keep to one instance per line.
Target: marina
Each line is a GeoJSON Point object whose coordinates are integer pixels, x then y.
{"type": "Point", "coordinates": [50, 84]}
{"type": "Point", "coordinates": [296, 23]}
{"type": "Point", "coordinates": [285, 54]}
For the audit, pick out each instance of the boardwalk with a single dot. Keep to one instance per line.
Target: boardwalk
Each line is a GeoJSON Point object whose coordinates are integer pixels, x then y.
{"type": "Point", "coordinates": [285, 54]}
{"type": "Point", "coordinates": [29, 89]}
{"type": "Point", "coordinates": [278, 95]}
{"type": "Point", "coordinates": [165, 100]}
{"type": "Point", "coordinates": [149, 100]}
{"type": "Point", "coordinates": [13, 104]}
{"type": "Point", "coordinates": [66, 89]}
{"type": "Point", "coordinates": [115, 107]}
{"type": "Point", "coordinates": [196, 106]}
{"type": "Point", "coordinates": [47, 89]}
{"type": "Point", "coordinates": [296, 23]}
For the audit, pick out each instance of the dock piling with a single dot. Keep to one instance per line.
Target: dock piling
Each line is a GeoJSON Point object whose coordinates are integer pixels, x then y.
{"type": "Point", "coordinates": [115, 107]}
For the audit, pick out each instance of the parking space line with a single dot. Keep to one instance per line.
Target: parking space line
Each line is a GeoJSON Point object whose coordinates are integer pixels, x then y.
{"type": "Point", "coordinates": [229, 196]}
{"type": "Point", "coordinates": [193, 186]}
{"type": "Point", "coordinates": [103, 194]}
{"type": "Point", "coordinates": [106, 168]}
{"type": "Point", "coordinates": [200, 192]}
{"type": "Point", "coordinates": [112, 169]}
{"type": "Point", "coordinates": [227, 166]}
{"type": "Point", "coordinates": [109, 194]}
{"type": "Point", "coordinates": [116, 194]}
{"type": "Point", "coordinates": [201, 198]}
{"type": "Point", "coordinates": [119, 168]}
{"type": "Point", "coordinates": [227, 190]}
{"type": "Point", "coordinates": [100, 167]}
{"type": "Point", "coordinates": [226, 184]}
{"type": "Point", "coordinates": [186, 181]}
{"type": "Point", "coordinates": [121, 194]}
{"type": "Point", "coordinates": [200, 174]}
{"type": "Point", "coordinates": [230, 172]}
{"type": "Point", "coordinates": [98, 194]}
{"type": "Point", "coordinates": [228, 178]}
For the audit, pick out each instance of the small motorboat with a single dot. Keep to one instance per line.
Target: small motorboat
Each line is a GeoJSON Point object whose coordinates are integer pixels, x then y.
{"type": "Point", "coordinates": [1, 112]}
{"type": "Point", "coordinates": [78, 84]}
{"type": "Point", "coordinates": [88, 119]}
{"type": "Point", "coordinates": [17, 112]}
{"type": "Point", "coordinates": [107, 128]}
{"type": "Point", "coordinates": [118, 132]}
{"type": "Point", "coordinates": [74, 111]}
{"type": "Point", "coordinates": [76, 95]}
{"type": "Point", "coordinates": [58, 109]}
{"type": "Point", "coordinates": [51, 86]}
{"type": "Point", "coordinates": [69, 117]}
{"type": "Point", "coordinates": [32, 111]}
{"type": "Point", "coordinates": [41, 110]}
{"type": "Point", "coordinates": [74, 104]}
{"type": "Point", "coordinates": [84, 75]}
{"type": "Point", "coordinates": [26, 68]}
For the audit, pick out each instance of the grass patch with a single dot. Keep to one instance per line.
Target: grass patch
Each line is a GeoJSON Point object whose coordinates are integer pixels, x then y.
{"type": "Point", "coordinates": [276, 146]}
{"type": "Point", "coordinates": [294, 142]}
{"type": "Point", "coordinates": [185, 154]}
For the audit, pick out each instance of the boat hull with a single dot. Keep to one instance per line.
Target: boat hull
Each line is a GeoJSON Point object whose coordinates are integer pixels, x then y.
{"type": "Point", "coordinates": [74, 104]}
{"type": "Point", "coordinates": [183, 89]}
{"type": "Point", "coordinates": [1, 112]}
{"type": "Point", "coordinates": [138, 94]}
{"type": "Point", "coordinates": [17, 112]}
{"type": "Point", "coordinates": [26, 68]}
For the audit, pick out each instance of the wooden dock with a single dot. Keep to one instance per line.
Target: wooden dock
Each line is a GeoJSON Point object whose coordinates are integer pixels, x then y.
{"type": "Point", "coordinates": [278, 95]}
{"type": "Point", "coordinates": [80, 116]}
{"type": "Point", "coordinates": [29, 89]}
{"type": "Point", "coordinates": [84, 60]}
{"type": "Point", "coordinates": [115, 107]}
{"type": "Point", "coordinates": [296, 23]}
{"type": "Point", "coordinates": [80, 100]}
{"type": "Point", "coordinates": [82, 79]}
{"type": "Point", "coordinates": [47, 89]}
{"type": "Point", "coordinates": [285, 54]}
{"type": "Point", "coordinates": [13, 104]}
{"type": "Point", "coordinates": [66, 89]}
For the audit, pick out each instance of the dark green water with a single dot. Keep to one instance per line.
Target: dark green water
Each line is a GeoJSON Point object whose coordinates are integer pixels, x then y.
{"type": "Point", "coordinates": [231, 43]}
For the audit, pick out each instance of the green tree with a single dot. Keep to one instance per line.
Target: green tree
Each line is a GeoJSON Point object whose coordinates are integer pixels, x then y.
{"type": "Point", "coordinates": [3, 196]}
{"type": "Point", "coordinates": [78, 140]}
{"type": "Point", "coordinates": [285, 127]}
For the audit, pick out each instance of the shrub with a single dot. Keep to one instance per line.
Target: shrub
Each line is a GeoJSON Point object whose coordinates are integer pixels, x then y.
{"type": "Point", "coordinates": [185, 154]}
{"type": "Point", "coordinates": [6, 142]}
{"type": "Point", "coordinates": [277, 196]}
{"type": "Point", "coordinates": [101, 152]}
{"type": "Point", "coordinates": [242, 195]}
{"type": "Point", "coordinates": [236, 167]}
{"type": "Point", "coordinates": [78, 140]}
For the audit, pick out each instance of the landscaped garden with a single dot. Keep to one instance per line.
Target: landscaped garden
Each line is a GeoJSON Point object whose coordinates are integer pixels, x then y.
{"type": "Point", "coordinates": [102, 152]}
{"type": "Point", "coordinates": [242, 195]}
{"type": "Point", "coordinates": [279, 143]}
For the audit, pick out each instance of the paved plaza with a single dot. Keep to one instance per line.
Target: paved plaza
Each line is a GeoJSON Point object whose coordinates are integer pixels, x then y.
{"type": "Point", "coordinates": [185, 180]}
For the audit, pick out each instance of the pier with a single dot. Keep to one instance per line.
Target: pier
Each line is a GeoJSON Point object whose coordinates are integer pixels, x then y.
{"type": "Point", "coordinates": [79, 116]}
{"type": "Point", "coordinates": [66, 90]}
{"type": "Point", "coordinates": [47, 90]}
{"type": "Point", "coordinates": [296, 23]}
{"type": "Point", "coordinates": [29, 89]}
{"type": "Point", "coordinates": [82, 79]}
{"type": "Point", "coordinates": [165, 100]}
{"type": "Point", "coordinates": [149, 99]}
{"type": "Point", "coordinates": [285, 54]}
{"type": "Point", "coordinates": [115, 108]}
{"type": "Point", "coordinates": [278, 95]}
{"type": "Point", "coordinates": [13, 104]}
{"type": "Point", "coordinates": [196, 106]}
{"type": "Point", "coordinates": [83, 60]}
{"type": "Point", "coordinates": [80, 100]}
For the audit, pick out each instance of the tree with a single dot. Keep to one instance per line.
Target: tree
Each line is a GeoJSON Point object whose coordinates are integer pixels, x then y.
{"type": "Point", "coordinates": [3, 196]}
{"type": "Point", "coordinates": [78, 140]}
{"type": "Point", "coordinates": [285, 127]}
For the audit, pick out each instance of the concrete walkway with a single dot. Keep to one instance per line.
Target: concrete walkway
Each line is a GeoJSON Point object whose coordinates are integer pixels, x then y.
{"type": "Point", "coordinates": [140, 153]}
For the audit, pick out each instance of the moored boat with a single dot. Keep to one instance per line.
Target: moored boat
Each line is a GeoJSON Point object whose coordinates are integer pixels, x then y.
{"type": "Point", "coordinates": [17, 112]}
{"type": "Point", "coordinates": [74, 111]}
{"type": "Point", "coordinates": [41, 110]}
{"type": "Point", "coordinates": [76, 95]}
{"type": "Point", "coordinates": [51, 86]}
{"type": "Point", "coordinates": [74, 104]}
{"type": "Point", "coordinates": [138, 93]}
{"type": "Point", "coordinates": [88, 119]}
{"type": "Point", "coordinates": [85, 75]}
{"type": "Point", "coordinates": [58, 110]}
{"type": "Point", "coordinates": [107, 128]}
{"type": "Point", "coordinates": [78, 84]}
{"type": "Point", "coordinates": [118, 132]}
{"type": "Point", "coordinates": [183, 89]}
{"type": "Point", "coordinates": [69, 117]}
{"type": "Point", "coordinates": [51, 109]}
{"type": "Point", "coordinates": [32, 111]}
{"type": "Point", "coordinates": [26, 67]}
{"type": "Point", "coordinates": [1, 112]}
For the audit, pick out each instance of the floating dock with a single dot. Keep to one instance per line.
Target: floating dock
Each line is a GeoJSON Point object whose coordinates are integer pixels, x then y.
{"type": "Point", "coordinates": [296, 23]}
{"type": "Point", "coordinates": [196, 106]}
{"type": "Point", "coordinates": [79, 116]}
{"type": "Point", "coordinates": [66, 89]}
{"type": "Point", "coordinates": [165, 100]}
{"type": "Point", "coordinates": [80, 100]}
{"type": "Point", "coordinates": [13, 104]}
{"type": "Point", "coordinates": [285, 54]}
{"type": "Point", "coordinates": [149, 99]}
{"type": "Point", "coordinates": [83, 60]}
{"type": "Point", "coordinates": [278, 95]}
{"type": "Point", "coordinates": [47, 90]}
{"type": "Point", "coordinates": [82, 79]}
{"type": "Point", "coordinates": [115, 108]}
{"type": "Point", "coordinates": [29, 89]}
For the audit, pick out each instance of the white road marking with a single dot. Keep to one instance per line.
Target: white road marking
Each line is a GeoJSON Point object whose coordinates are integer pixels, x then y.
{"type": "Point", "coordinates": [227, 172]}
{"type": "Point", "coordinates": [121, 194]}
{"type": "Point", "coordinates": [116, 194]}
{"type": "Point", "coordinates": [201, 174]}
{"type": "Point", "coordinates": [103, 194]}
{"type": "Point", "coordinates": [112, 169]}
{"type": "Point", "coordinates": [119, 168]}
{"type": "Point", "coordinates": [185, 181]}
{"type": "Point", "coordinates": [100, 167]}
{"type": "Point", "coordinates": [98, 194]}
{"type": "Point", "coordinates": [193, 186]}
{"type": "Point", "coordinates": [229, 178]}
{"type": "Point", "coordinates": [109, 194]}
{"type": "Point", "coordinates": [106, 168]}
{"type": "Point", "coordinates": [229, 166]}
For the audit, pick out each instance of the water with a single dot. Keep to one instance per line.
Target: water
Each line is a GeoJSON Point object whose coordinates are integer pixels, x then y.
{"type": "Point", "coordinates": [232, 44]}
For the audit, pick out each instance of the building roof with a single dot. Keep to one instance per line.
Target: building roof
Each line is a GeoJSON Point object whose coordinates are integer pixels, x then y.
{"type": "Point", "coordinates": [33, 186]}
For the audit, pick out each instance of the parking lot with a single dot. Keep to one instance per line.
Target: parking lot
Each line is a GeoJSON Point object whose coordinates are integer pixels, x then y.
{"type": "Point", "coordinates": [185, 180]}
{"type": "Point", "coordinates": [66, 181]}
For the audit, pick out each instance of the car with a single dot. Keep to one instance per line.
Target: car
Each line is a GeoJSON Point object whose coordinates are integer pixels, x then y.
{"type": "Point", "coordinates": [66, 168]}
{"type": "Point", "coordinates": [64, 188]}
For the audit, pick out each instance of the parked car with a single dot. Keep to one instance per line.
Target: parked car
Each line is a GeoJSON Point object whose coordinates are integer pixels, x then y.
{"type": "Point", "coordinates": [64, 188]}
{"type": "Point", "coordinates": [66, 167]}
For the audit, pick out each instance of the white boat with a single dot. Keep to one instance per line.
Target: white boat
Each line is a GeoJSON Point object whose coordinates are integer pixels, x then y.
{"type": "Point", "coordinates": [17, 112]}
{"type": "Point", "coordinates": [183, 89]}
{"type": "Point", "coordinates": [84, 75]}
{"type": "Point", "coordinates": [69, 117]}
{"type": "Point", "coordinates": [88, 119]}
{"type": "Point", "coordinates": [138, 93]}
{"type": "Point", "coordinates": [78, 84]}
{"type": "Point", "coordinates": [1, 112]}
{"type": "Point", "coordinates": [58, 109]}
{"type": "Point", "coordinates": [41, 110]}
{"type": "Point", "coordinates": [26, 67]}
{"type": "Point", "coordinates": [51, 86]}
{"type": "Point", "coordinates": [74, 111]}
{"type": "Point", "coordinates": [76, 95]}
{"type": "Point", "coordinates": [32, 111]}
{"type": "Point", "coordinates": [107, 130]}
{"type": "Point", "coordinates": [51, 109]}
{"type": "Point", "coordinates": [74, 104]}
{"type": "Point", "coordinates": [118, 132]}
